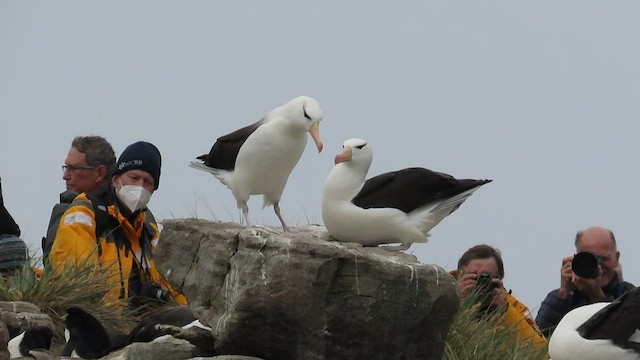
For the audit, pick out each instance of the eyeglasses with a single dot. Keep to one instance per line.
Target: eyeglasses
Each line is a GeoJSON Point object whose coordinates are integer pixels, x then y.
{"type": "Point", "coordinates": [72, 169]}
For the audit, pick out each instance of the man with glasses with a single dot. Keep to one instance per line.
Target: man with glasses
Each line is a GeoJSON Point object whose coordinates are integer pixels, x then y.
{"type": "Point", "coordinates": [87, 169]}
{"type": "Point", "coordinates": [576, 291]}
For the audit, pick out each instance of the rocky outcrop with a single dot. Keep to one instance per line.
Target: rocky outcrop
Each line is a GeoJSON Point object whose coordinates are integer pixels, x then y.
{"type": "Point", "coordinates": [274, 297]}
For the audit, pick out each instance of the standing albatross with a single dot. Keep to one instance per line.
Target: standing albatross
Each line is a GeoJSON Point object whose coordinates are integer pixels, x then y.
{"type": "Point", "coordinates": [394, 207]}
{"type": "Point", "coordinates": [257, 159]}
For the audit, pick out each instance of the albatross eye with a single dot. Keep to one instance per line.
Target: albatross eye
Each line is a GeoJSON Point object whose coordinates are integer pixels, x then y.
{"type": "Point", "coordinates": [361, 146]}
{"type": "Point", "coordinates": [306, 115]}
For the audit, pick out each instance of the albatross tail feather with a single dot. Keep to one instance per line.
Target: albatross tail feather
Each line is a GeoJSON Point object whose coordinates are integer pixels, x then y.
{"type": "Point", "coordinates": [201, 166]}
{"type": "Point", "coordinates": [223, 175]}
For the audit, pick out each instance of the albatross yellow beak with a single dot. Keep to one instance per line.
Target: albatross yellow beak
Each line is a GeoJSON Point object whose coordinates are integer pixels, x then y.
{"type": "Point", "coordinates": [314, 130]}
{"type": "Point", "coordinates": [345, 155]}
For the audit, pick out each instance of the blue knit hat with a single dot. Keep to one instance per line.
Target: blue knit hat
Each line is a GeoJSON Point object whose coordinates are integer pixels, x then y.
{"type": "Point", "coordinates": [142, 156]}
{"type": "Point", "coordinates": [13, 252]}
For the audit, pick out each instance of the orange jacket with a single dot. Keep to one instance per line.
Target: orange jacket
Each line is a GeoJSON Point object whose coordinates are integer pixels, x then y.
{"type": "Point", "coordinates": [517, 316]}
{"type": "Point", "coordinates": [75, 243]}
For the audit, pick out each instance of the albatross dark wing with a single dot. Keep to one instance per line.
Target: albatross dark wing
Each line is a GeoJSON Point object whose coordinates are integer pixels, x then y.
{"type": "Point", "coordinates": [224, 152]}
{"type": "Point", "coordinates": [617, 321]}
{"type": "Point", "coordinates": [411, 188]}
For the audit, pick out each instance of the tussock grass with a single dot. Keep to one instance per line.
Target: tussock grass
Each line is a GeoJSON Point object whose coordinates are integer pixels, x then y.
{"type": "Point", "coordinates": [475, 335]}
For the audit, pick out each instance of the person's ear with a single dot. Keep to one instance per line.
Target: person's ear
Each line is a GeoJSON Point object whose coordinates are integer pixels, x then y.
{"type": "Point", "coordinates": [115, 180]}
{"type": "Point", "coordinates": [102, 172]}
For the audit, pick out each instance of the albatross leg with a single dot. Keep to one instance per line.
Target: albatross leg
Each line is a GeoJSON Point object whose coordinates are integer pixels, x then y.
{"type": "Point", "coordinates": [245, 214]}
{"type": "Point", "coordinates": [285, 228]}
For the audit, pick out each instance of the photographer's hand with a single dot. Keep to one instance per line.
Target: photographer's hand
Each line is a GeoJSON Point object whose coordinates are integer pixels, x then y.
{"type": "Point", "coordinates": [499, 293]}
{"type": "Point", "coordinates": [466, 283]}
{"type": "Point", "coordinates": [591, 288]}
{"type": "Point", "coordinates": [566, 276]}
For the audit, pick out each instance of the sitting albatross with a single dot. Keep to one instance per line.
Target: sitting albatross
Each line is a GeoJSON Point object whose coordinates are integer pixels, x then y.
{"type": "Point", "coordinates": [258, 159]}
{"type": "Point", "coordinates": [394, 207]}
{"type": "Point", "coordinates": [600, 330]}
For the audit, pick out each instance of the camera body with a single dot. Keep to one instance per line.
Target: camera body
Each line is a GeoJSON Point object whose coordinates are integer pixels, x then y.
{"type": "Point", "coordinates": [484, 280]}
{"type": "Point", "coordinates": [484, 290]}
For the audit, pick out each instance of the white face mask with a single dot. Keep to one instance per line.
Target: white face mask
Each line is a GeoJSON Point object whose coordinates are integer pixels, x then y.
{"type": "Point", "coordinates": [134, 197]}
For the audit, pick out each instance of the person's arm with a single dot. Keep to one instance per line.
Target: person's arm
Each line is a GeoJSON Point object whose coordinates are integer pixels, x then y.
{"type": "Point", "coordinates": [7, 223]}
{"type": "Point", "coordinates": [75, 240]}
{"type": "Point", "coordinates": [552, 309]}
{"type": "Point", "coordinates": [156, 276]}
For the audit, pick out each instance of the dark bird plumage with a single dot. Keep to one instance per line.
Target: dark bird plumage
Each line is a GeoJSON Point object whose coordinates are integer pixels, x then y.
{"type": "Point", "coordinates": [224, 152]}
{"type": "Point", "coordinates": [391, 189]}
{"type": "Point", "coordinates": [87, 337]}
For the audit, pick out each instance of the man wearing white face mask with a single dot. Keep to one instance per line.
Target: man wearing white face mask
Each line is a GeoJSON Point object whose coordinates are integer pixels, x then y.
{"type": "Point", "coordinates": [118, 232]}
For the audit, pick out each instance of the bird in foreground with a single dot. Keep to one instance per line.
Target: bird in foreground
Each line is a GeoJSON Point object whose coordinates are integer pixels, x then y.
{"type": "Point", "coordinates": [600, 330]}
{"type": "Point", "coordinates": [395, 207]}
{"type": "Point", "coordinates": [88, 339]}
{"type": "Point", "coordinates": [34, 343]}
{"type": "Point", "coordinates": [258, 159]}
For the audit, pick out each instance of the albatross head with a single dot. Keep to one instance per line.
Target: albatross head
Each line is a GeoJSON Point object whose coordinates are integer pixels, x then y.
{"type": "Point", "coordinates": [304, 111]}
{"type": "Point", "coordinates": [357, 152]}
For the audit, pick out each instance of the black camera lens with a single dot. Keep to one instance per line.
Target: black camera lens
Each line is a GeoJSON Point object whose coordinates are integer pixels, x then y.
{"type": "Point", "coordinates": [585, 265]}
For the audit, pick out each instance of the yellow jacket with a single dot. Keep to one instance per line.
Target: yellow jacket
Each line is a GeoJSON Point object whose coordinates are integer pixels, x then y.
{"type": "Point", "coordinates": [124, 246]}
{"type": "Point", "coordinates": [516, 316]}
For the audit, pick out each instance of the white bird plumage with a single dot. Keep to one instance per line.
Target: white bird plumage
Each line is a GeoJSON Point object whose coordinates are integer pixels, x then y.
{"type": "Point", "coordinates": [259, 158]}
{"type": "Point", "coordinates": [395, 207]}
{"type": "Point", "coordinates": [602, 330]}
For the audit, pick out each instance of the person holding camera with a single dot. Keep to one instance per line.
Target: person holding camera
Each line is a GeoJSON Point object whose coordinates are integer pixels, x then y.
{"type": "Point", "coordinates": [481, 270]}
{"type": "Point", "coordinates": [587, 277]}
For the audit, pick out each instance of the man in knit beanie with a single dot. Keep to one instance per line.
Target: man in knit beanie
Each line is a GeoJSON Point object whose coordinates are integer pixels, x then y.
{"type": "Point", "coordinates": [137, 175]}
{"type": "Point", "coordinates": [143, 156]}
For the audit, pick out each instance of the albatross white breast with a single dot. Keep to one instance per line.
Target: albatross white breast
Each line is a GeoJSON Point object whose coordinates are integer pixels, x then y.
{"type": "Point", "coordinates": [600, 331]}
{"type": "Point", "coordinates": [258, 159]}
{"type": "Point", "coordinates": [394, 207]}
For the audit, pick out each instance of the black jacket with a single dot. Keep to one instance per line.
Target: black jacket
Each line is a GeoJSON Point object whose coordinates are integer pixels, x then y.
{"type": "Point", "coordinates": [7, 224]}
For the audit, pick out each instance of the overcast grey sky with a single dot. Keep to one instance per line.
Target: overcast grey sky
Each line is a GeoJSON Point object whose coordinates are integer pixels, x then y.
{"type": "Point", "coordinates": [541, 97]}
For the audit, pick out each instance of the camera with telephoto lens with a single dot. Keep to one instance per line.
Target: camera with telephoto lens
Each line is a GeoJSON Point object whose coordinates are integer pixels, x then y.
{"type": "Point", "coordinates": [585, 265]}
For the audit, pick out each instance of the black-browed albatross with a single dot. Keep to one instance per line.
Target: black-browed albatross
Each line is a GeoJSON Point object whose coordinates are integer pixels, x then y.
{"type": "Point", "coordinates": [601, 330]}
{"type": "Point", "coordinates": [258, 159]}
{"type": "Point", "coordinates": [394, 207]}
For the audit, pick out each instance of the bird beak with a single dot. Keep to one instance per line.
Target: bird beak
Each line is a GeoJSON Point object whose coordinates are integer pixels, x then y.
{"type": "Point", "coordinates": [314, 130]}
{"type": "Point", "coordinates": [345, 155]}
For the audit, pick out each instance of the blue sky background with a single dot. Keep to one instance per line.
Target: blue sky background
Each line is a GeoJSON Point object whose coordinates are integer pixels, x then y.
{"type": "Point", "coordinates": [541, 97]}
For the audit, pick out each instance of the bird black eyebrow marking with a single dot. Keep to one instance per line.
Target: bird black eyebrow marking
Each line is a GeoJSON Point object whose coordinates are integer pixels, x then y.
{"type": "Point", "coordinates": [305, 114]}
{"type": "Point", "coordinates": [361, 146]}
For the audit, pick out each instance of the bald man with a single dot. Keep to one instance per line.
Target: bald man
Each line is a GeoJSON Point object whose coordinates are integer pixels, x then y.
{"type": "Point", "coordinates": [576, 291]}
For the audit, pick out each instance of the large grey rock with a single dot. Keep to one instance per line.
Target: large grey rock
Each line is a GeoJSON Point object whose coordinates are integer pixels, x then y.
{"type": "Point", "coordinates": [273, 297]}
{"type": "Point", "coordinates": [169, 348]}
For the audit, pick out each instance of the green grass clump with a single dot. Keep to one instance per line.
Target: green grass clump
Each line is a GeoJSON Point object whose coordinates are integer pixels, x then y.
{"type": "Point", "coordinates": [477, 335]}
